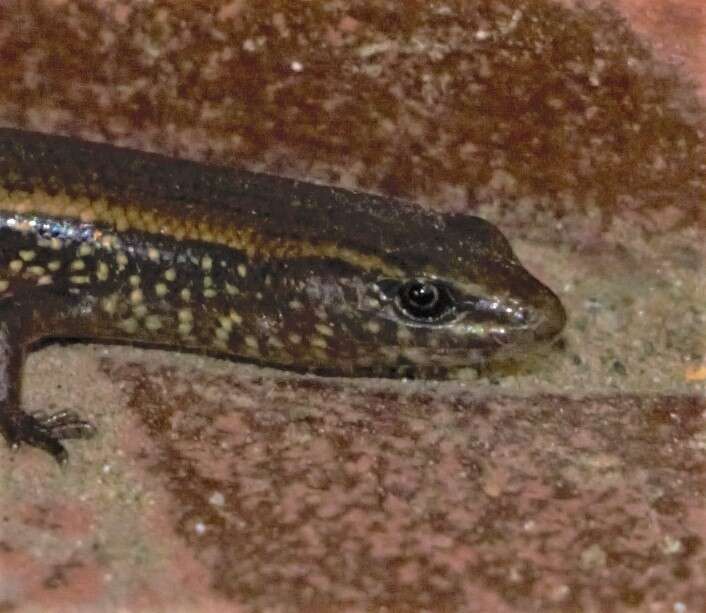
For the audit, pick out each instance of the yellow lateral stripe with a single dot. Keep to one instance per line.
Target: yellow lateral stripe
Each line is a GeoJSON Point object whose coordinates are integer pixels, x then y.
{"type": "Point", "coordinates": [134, 217]}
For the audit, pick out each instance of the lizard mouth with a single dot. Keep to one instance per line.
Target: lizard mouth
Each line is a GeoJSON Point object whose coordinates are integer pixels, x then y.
{"type": "Point", "coordinates": [550, 317]}
{"type": "Point", "coordinates": [542, 323]}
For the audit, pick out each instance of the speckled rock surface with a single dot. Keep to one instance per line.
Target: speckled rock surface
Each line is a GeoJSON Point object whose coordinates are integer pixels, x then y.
{"type": "Point", "coordinates": [573, 481]}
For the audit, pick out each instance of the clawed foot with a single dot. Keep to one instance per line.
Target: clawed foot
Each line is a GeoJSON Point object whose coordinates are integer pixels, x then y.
{"type": "Point", "coordinates": [46, 431]}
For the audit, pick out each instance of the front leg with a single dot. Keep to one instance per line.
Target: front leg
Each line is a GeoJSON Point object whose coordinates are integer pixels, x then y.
{"type": "Point", "coordinates": [38, 430]}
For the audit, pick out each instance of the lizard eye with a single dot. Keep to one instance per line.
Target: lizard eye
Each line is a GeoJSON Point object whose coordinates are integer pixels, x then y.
{"type": "Point", "coordinates": [424, 300]}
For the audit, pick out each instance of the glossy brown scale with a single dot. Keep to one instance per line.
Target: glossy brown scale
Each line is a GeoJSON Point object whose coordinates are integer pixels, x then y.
{"type": "Point", "coordinates": [106, 243]}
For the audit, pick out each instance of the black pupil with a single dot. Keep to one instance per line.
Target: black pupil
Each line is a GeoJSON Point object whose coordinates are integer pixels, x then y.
{"type": "Point", "coordinates": [422, 295]}
{"type": "Point", "coordinates": [424, 300]}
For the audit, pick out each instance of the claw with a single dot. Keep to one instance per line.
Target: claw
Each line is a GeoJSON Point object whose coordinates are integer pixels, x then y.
{"type": "Point", "coordinates": [65, 425]}
{"type": "Point", "coordinates": [46, 431]}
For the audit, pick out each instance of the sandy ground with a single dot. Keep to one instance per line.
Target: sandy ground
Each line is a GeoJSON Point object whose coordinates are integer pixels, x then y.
{"type": "Point", "coordinates": [571, 481]}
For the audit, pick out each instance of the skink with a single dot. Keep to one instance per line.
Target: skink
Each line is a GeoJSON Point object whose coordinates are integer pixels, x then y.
{"type": "Point", "coordinates": [104, 243]}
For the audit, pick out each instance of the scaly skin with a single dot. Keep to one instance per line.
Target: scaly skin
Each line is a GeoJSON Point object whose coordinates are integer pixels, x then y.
{"type": "Point", "coordinates": [106, 243]}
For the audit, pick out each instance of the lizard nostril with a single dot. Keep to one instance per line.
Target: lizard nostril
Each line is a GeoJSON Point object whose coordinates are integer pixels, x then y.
{"type": "Point", "coordinates": [523, 315]}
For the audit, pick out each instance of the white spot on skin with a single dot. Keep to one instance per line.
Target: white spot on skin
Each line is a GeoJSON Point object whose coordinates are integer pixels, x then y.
{"type": "Point", "coordinates": [136, 296]}
{"type": "Point", "coordinates": [122, 260]}
{"type": "Point", "coordinates": [295, 338]}
{"type": "Point", "coordinates": [226, 323]}
{"type": "Point", "coordinates": [45, 280]}
{"type": "Point", "coordinates": [235, 316]}
{"type": "Point", "coordinates": [16, 265]}
{"type": "Point", "coordinates": [153, 322]}
{"type": "Point", "coordinates": [317, 341]}
{"type": "Point", "coordinates": [4, 285]}
{"type": "Point", "coordinates": [130, 325]}
{"type": "Point", "coordinates": [135, 280]}
{"type": "Point", "coordinates": [251, 342]}
{"type": "Point", "coordinates": [295, 305]}
{"type": "Point", "coordinates": [153, 254]}
{"type": "Point", "coordinates": [207, 282]}
{"type": "Point", "coordinates": [85, 250]}
{"type": "Point", "coordinates": [103, 271]}
{"type": "Point", "coordinates": [77, 265]}
{"type": "Point", "coordinates": [185, 329]}
{"type": "Point", "coordinates": [170, 274]}
{"type": "Point", "coordinates": [209, 293]}
{"type": "Point", "coordinates": [56, 244]}
{"type": "Point", "coordinates": [242, 270]}
{"type": "Point", "coordinates": [27, 255]}
{"type": "Point", "coordinates": [185, 315]}
{"type": "Point", "coordinates": [110, 304]}
{"type": "Point", "coordinates": [109, 242]}
{"type": "Point", "coordinates": [37, 271]}
{"type": "Point", "coordinates": [80, 279]}
{"type": "Point", "coordinates": [160, 289]}
{"type": "Point", "coordinates": [373, 327]}
{"type": "Point", "coordinates": [324, 329]}
{"type": "Point", "coordinates": [140, 311]}
{"type": "Point", "coordinates": [54, 265]}
{"type": "Point", "coordinates": [321, 355]}
{"type": "Point", "coordinates": [231, 289]}
{"type": "Point", "coordinates": [206, 263]}
{"type": "Point", "coordinates": [222, 334]}
{"type": "Point", "coordinates": [185, 294]}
